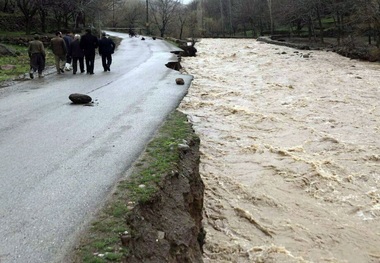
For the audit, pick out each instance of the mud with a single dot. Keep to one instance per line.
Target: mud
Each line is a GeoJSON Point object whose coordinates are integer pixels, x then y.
{"type": "Point", "coordinates": [290, 152]}
{"type": "Point", "coordinates": [168, 227]}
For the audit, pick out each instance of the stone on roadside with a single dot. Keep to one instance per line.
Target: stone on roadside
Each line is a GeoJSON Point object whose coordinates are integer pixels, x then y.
{"type": "Point", "coordinates": [179, 81]}
{"type": "Point", "coordinates": [125, 239]}
{"type": "Point", "coordinates": [160, 235]}
{"type": "Point", "coordinates": [78, 98]}
{"type": "Point", "coordinates": [7, 67]}
{"type": "Point", "coordinates": [6, 51]}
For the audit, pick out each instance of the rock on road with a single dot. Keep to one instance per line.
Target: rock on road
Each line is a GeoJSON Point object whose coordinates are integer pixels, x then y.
{"type": "Point", "coordinates": [59, 161]}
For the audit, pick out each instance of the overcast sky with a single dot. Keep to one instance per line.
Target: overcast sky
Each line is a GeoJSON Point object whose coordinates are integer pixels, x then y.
{"type": "Point", "coordinates": [185, 1]}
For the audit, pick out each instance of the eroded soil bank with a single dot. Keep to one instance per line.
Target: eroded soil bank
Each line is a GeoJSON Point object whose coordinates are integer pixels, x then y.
{"type": "Point", "coordinates": [289, 152]}
{"type": "Point", "coordinates": [168, 227]}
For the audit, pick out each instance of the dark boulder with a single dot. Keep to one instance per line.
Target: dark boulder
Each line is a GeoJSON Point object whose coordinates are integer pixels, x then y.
{"type": "Point", "coordinates": [179, 81]}
{"type": "Point", "coordinates": [188, 51]}
{"type": "Point", "coordinates": [77, 98]}
{"type": "Point", "coordinates": [5, 51]}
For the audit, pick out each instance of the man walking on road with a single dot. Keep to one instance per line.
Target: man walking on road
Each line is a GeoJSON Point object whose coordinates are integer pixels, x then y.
{"type": "Point", "coordinates": [59, 49]}
{"type": "Point", "coordinates": [37, 56]}
{"type": "Point", "coordinates": [89, 43]}
{"type": "Point", "coordinates": [68, 38]}
{"type": "Point", "coordinates": [77, 54]}
{"type": "Point", "coordinates": [106, 49]}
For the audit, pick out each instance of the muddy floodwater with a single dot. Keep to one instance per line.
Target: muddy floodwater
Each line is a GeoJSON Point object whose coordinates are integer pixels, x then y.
{"type": "Point", "coordinates": [290, 152]}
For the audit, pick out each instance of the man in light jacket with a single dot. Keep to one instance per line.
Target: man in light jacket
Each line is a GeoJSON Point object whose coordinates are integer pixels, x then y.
{"type": "Point", "coordinates": [59, 49]}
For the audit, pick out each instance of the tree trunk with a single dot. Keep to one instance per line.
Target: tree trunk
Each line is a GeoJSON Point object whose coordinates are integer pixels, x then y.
{"type": "Point", "coordinates": [310, 33]}
{"type": "Point", "coordinates": [28, 24]}
{"type": "Point", "coordinates": [320, 25]}
{"type": "Point", "coordinates": [5, 7]}
{"type": "Point", "coordinates": [271, 16]}
{"type": "Point", "coordinates": [369, 34]}
{"type": "Point", "coordinates": [181, 30]}
{"type": "Point", "coordinates": [339, 35]}
{"type": "Point", "coordinates": [222, 17]}
{"type": "Point", "coordinates": [43, 20]}
{"type": "Point", "coordinates": [230, 18]}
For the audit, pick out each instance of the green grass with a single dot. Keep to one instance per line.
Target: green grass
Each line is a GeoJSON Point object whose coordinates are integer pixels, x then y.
{"type": "Point", "coordinates": [11, 33]}
{"type": "Point", "coordinates": [20, 62]}
{"type": "Point", "coordinates": [101, 243]}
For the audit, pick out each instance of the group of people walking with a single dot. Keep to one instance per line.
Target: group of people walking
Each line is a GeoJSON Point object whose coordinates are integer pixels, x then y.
{"type": "Point", "coordinates": [69, 51]}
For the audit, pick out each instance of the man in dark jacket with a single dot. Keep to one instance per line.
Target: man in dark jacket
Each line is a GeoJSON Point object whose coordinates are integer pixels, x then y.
{"type": "Point", "coordinates": [89, 43]}
{"type": "Point", "coordinates": [106, 49]}
{"type": "Point", "coordinates": [77, 54]}
{"type": "Point", "coordinates": [36, 51]}
{"type": "Point", "coordinates": [68, 38]}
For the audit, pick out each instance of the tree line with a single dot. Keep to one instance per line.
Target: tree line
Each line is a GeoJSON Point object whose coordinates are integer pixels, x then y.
{"type": "Point", "coordinates": [342, 20]}
{"type": "Point", "coordinates": [346, 21]}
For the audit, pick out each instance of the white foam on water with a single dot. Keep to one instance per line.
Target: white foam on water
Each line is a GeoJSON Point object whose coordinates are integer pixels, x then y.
{"type": "Point", "coordinates": [289, 152]}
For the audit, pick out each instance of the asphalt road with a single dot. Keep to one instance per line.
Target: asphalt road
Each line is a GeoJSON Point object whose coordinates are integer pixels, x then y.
{"type": "Point", "coordinates": [58, 161]}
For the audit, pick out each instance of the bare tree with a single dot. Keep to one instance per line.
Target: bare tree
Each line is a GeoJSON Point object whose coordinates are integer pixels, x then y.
{"type": "Point", "coordinates": [270, 8]}
{"type": "Point", "coordinates": [368, 19]}
{"type": "Point", "coordinates": [8, 6]}
{"type": "Point", "coordinates": [43, 13]}
{"type": "Point", "coordinates": [29, 9]}
{"type": "Point", "coordinates": [182, 15]}
{"type": "Point", "coordinates": [132, 13]}
{"type": "Point", "coordinates": [163, 12]}
{"type": "Point", "coordinates": [95, 12]}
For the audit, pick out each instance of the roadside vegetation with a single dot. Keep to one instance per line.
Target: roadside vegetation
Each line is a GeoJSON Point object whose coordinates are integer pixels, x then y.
{"type": "Point", "coordinates": [14, 66]}
{"type": "Point", "coordinates": [102, 241]}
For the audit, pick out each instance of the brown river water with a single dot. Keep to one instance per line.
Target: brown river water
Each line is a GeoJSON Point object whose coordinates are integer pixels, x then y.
{"type": "Point", "coordinates": [290, 152]}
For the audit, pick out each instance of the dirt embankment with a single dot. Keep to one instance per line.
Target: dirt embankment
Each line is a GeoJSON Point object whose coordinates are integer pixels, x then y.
{"type": "Point", "coordinates": [168, 228]}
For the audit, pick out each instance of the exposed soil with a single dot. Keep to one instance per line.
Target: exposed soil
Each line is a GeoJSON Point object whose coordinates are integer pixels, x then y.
{"type": "Point", "coordinates": [168, 228]}
{"type": "Point", "coordinates": [162, 227]}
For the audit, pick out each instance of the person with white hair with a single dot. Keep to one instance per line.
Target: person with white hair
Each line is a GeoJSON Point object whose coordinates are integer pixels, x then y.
{"type": "Point", "coordinates": [77, 54]}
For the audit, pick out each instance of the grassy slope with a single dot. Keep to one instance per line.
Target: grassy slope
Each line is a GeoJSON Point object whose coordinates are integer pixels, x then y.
{"type": "Point", "coordinates": [101, 242]}
{"type": "Point", "coordinates": [20, 63]}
